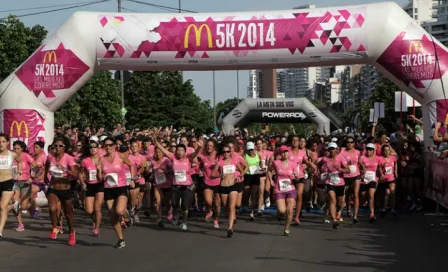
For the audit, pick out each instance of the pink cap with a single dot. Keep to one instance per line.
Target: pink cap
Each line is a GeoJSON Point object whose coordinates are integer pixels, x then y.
{"type": "Point", "coordinates": [284, 148]}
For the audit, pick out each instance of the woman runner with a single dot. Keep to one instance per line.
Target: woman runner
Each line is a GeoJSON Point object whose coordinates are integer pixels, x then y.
{"type": "Point", "coordinates": [37, 175]}
{"type": "Point", "coordinates": [162, 169]}
{"type": "Point", "coordinates": [390, 170]}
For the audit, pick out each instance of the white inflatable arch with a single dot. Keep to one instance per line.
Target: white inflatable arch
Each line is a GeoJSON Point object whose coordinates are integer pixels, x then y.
{"type": "Point", "coordinates": [380, 34]}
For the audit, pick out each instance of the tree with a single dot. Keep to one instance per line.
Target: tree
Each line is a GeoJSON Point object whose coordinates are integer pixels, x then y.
{"type": "Point", "coordinates": [17, 43]}
{"type": "Point", "coordinates": [162, 99]}
{"type": "Point", "coordinates": [384, 92]}
{"type": "Point", "coordinates": [96, 103]}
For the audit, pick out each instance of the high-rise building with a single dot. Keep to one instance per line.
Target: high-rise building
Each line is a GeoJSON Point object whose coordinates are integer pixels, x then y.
{"type": "Point", "coordinates": [252, 90]}
{"type": "Point", "coordinates": [421, 10]}
{"type": "Point", "coordinates": [439, 27]}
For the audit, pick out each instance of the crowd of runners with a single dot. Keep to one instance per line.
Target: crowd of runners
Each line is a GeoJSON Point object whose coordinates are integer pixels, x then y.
{"type": "Point", "coordinates": [178, 172]}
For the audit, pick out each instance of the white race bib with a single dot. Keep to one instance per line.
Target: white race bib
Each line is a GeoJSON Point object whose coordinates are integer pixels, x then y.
{"type": "Point", "coordinates": [56, 172]}
{"type": "Point", "coordinates": [228, 169]}
{"type": "Point", "coordinates": [253, 170]}
{"type": "Point", "coordinates": [112, 179]}
{"type": "Point", "coordinates": [285, 185]}
{"type": "Point", "coordinates": [92, 175]}
{"type": "Point", "coordinates": [388, 170]}
{"type": "Point", "coordinates": [4, 162]}
{"type": "Point", "coordinates": [352, 169]}
{"type": "Point", "coordinates": [263, 164]}
{"type": "Point", "coordinates": [306, 175]}
{"type": "Point", "coordinates": [323, 177]}
{"type": "Point", "coordinates": [369, 176]}
{"type": "Point", "coordinates": [160, 178]}
{"type": "Point", "coordinates": [334, 178]}
{"type": "Point", "coordinates": [180, 176]}
{"type": "Point", "coordinates": [128, 177]}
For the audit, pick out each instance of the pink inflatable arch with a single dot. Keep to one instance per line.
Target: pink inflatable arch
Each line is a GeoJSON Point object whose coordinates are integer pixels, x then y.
{"type": "Point", "coordinates": [380, 34]}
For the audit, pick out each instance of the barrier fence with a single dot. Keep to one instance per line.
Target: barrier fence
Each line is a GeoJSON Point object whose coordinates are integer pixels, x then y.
{"type": "Point", "coordinates": [436, 178]}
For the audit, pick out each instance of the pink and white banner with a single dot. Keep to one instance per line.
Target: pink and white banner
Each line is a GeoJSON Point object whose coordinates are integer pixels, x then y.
{"type": "Point", "coordinates": [25, 125]}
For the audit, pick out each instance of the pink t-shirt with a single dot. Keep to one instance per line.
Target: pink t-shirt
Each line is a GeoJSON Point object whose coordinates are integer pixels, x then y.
{"type": "Point", "coordinates": [163, 173]}
{"type": "Point", "coordinates": [299, 158]}
{"type": "Point", "coordinates": [26, 162]}
{"type": "Point", "coordinates": [138, 159]}
{"type": "Point", "coordinates": [389, 168]}
{"type": "Point", "coordinates": [101, 152]}
{"type": "Point", "coordinates": [284, 176]}
{"type": "Point", "coordinates": [335, 177]}
{"type": "Point", "coordinates": [207, 166]}
{"type": "Point", "coordinates": [228, 168]}
{"type": "Point", "coordinates": [352, 159]}
{"type": "Point", "coordinates": [90, 170]}
{"type": "Point", "coordinates": [265, 155]}
{"type": "Point", "coordinates": [149, 154]}
{"type": "Point", "coordinates": [237, 158]}
{"type": "Point", "coordinates": [182, 171]}
{"type": "Point", "coordinates": [65, 162]}
{"type": "Point", "coordinates": [36, 172]}
{"type": "Point", "coordinates": [371, 166]}
{"type": "Point", "coordinates": [322, 172]}
{"type": "Point", "coordinates": [114, 172]}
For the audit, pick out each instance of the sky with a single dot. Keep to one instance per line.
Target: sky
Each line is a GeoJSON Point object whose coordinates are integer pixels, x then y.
{"type": "Point", "coordinates": [225, 81]}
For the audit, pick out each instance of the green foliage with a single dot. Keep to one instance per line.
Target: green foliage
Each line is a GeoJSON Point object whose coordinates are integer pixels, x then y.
{"type": "Point", "coordinates": [161, 99]}
{"type": "Point", "coordinates": [17, 43]}
{"type": "Point", "coordinates": [96, 103]}
{"type": "Point", "coordinates": [384, 92]}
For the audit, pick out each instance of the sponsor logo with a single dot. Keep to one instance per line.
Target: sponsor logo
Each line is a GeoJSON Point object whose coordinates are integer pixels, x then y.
{"type": "Point", "coordinates": [415, 46]}
{"type": "Point", "coordinates": [51, 57]}
{"type": "Point", "coordinates": [298, 115]}
{"type": "Point", "coordinates": [198, 34]}
{"type": "Point", "coordinates": [19, 129]}
{"type": "Point", "coordinates": [236, 114]}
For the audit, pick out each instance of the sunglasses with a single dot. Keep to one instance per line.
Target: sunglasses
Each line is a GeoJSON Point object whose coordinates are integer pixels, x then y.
{"type": "Point", "coordinates": [370, 149]}
{"type": "Point", "coordinates": [250, 150]}
{"type": "Point", "coordinates": [331, 148]}
{"type": "Point", "coordinates": [350, 142]}
{"type": "Point", "coordinates": [59, 145]}
{"type": "Point", "coordinates": [226, 151]}
{"type": "Point", "coordinates": [92, 147]}
{"type": "Point", "coordinates": [108, 145]}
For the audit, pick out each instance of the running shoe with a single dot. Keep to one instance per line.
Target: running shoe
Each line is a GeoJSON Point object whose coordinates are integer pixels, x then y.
{"type": "Point", "coordinates": [419, 208]}
{"type": "Point", "coordinates": [296, 222]}
{"type": "Point", "coordinates": [259, 213]}
{"type": "Point", "coordinates": [372, 219]}
{"type": "Point", "coordinates": [96, 233]}
{"type": "Point", "coordinates": [326, 221]}
{"type": "Point", "coordinates": [355, 220]}
{"type": "Point", "coordinates": [216, 224]}
{"type": "Point", "coordinates": [383, 213]}
{"type": "Point", "coordinates": [121, 244]}
{"type": "Point", "coordinates": [208, 217]}
{"type": "Point", "coordinates": [160, 224]}
{"type": "Point", "coordinates": [169, 216]}
{"type": "Point", "coordinates": [20, 228]}
{"type": "Point", "coordinates": [147, 214]}
{"type": "Point", "coordinates": [61, 229]}
{"type": "Point", "coordinates": [286, 233]}
{"type": "Point", "coordinates": [136, 219]}
{"type": "Point", "coordinates": [24, 211]}
{"type": "Point", "coordinates": [54, 233]}
{"type": "Point", "coordinates": [36, 213]}
{"type": "Point", "coordinates": [16, 208]}
{"type": "Point", "coordinates": [262, 207]}
{"type": "Point", "coordinates": [335, 224]}
{"type": "Point", "coordinates": [267, 202]}
{"type": "Point", "coordinates": [229, 233]}
{"type": "Point", "coordinates": [251, 217]}
{"type": "Point", "coordinates": [349, 213]}
{"type": "Point", "coordinates": [1, 235]}
{"type": "Point", "coordinates": [341, 219]}
{"type": "Point", "coordinates": [184, 227]}
{"type": "Point", "coordinates": [92, 227]}
{"type": "Point", "coordinates": [413, 207]}
{"type": "Point", "coordinates": [72, 239]}
{"type": "Point", "coordinates": [393, 212]}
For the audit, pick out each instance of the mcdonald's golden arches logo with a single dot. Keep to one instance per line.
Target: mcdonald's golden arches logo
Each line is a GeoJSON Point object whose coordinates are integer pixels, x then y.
{"type": "Point", "coordinates": [198, 33]}
{"type": "Point", "coordinates": [51, 57]}
{"type": "Point", "coordinates": [19, 129]}
{"type": "Point", "coordinates": [416, 45]}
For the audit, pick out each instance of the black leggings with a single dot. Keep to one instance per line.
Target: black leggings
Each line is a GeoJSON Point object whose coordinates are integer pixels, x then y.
{"type": "Point", "coordinates": [181, 192]}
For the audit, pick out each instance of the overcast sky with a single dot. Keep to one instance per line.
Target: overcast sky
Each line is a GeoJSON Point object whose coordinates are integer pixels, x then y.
{"type": "Point", "coordinates": [226, 81]}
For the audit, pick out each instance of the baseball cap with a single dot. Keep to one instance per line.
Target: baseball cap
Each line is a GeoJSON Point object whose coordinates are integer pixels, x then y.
{"type": "Point", "coordinates": [332, 145]}
{"type": "Point", "coordinates": [250, 145]}
{"type": "Point", "coordinates": [284, 148]}
{"type": "Point", "coordinates": [94, 138]}
{"type": "Point", "coordinates": [102, 138]}
{"type": "Point", "coordinates": [370, 145]}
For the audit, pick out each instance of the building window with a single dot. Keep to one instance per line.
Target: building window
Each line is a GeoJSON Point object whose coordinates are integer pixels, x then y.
{"type": "Point", "coordinates": [416, 17]}
{"type": "Point", "coordinates": [415, 10]}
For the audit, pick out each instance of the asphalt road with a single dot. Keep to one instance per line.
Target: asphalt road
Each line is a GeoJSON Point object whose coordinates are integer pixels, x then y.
{"type": "Point", "coordinates": [405, 243]}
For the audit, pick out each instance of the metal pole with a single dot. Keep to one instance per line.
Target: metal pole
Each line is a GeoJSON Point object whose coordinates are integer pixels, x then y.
{"type": "Point", "coordinates": [238, 85]}
{"type": "Point", "coordinates": [214, 102]}
{"type": "Point", "coordinates": [180, 11]}
{"type": "Point", "coordinates": [121, 76]}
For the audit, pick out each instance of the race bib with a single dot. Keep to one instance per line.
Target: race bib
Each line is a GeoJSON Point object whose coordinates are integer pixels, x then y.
{"type": "Point", "coordinates": [263, 164]}
{"type": "Point", "coordinates": [180, 176]}
{"type": "Point", "coordinates": [369, 176]}
{"type": "Point", "coordinates": [285, 185]}
{"type": "Point", "coordinates": [323, 177]}
{"type": "Point", "coordinates": [352, 169]}
{"type": "Point", "coordinates": [112, 179]}
{"type": "Point", "coordinates": [56, 172]}
{"type": "Point", "coordinates": [14, 172]}
{"type": "Point", "coordinates": [306, 175]}
{"type": "Point", "coordinates": [128, 177]}
{"type": "Point", "coordinates": [228, 169]}
{"type": "Point", "coordinates": [4, 162]}
{"type": "Point", "coordinates": [160, 178]}
{"type": "Point", "coordinates": [253, 170]}
{"type": "Point", "coordinates": [388, 170]}
{"type": "Point", "coordinates": [92, 175]}
{"type": "Point", "coordinates": [334, 178]}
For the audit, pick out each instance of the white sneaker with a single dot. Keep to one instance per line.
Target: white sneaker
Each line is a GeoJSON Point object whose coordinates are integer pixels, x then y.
{"type": "Point", "coordinates": [184, 227]}
{"type": "Point", "coordinates": [268, 202]}
{"type": "Point", "coordinates": [413, 207]}
{"type": "Point", "coordinates": [16, 208]}
{"type": "Point", "coordinates": [262, 207]}
{"type": "Point", "coordinates": [419, 208]}
{"type": "Point", "coordinates": [136, 219]}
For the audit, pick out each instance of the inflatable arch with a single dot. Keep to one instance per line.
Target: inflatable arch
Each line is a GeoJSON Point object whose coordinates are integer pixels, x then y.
{"type": "Point", "coordinates": [298, 110]}
{"type": "Point", "coordinates": [381, 34]}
